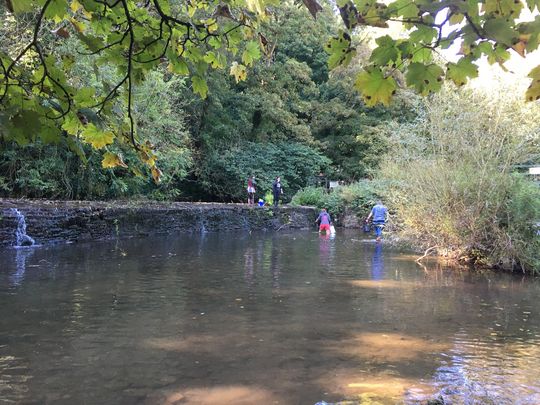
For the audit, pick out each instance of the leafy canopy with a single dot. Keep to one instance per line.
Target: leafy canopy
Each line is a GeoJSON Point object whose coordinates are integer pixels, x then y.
{"type": "Point", "coordinates": [490, 28]}
{"type": "Point", "coordinates": [40, 98]}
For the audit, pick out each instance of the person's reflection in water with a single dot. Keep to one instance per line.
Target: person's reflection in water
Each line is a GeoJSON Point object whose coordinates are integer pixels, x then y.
{"type": "Point", "coordinates": [274, 264]}
{"type": "Point", "coordinates": [324, 248]}
{"type": "Point", "coordinates": [377, 263]}
{"type": "Point", "coordinates": [249, 268]}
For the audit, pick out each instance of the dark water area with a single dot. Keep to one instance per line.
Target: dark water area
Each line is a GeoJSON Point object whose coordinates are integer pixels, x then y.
{"type": "Point", "coordinates": [285, 318]}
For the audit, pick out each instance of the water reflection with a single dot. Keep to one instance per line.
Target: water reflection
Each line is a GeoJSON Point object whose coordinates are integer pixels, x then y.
{"type": "Point", "coordinates": [377, 263]}
{"type": "Point", "coordinates": [275, 263]}
{"type": "Point", "coordinates": [488, 370]}
{"type": "Point", "coordinates": [22, 254]}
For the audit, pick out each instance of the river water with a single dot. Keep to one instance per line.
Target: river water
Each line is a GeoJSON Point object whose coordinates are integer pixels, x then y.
{"type": "Point", "coordinates": [286, 318]}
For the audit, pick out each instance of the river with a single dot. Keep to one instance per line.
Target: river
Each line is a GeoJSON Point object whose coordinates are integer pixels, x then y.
{"type": "Point", "coordinates": [261, 318]}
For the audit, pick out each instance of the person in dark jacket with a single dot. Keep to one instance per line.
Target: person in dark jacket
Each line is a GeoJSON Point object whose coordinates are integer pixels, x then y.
{"type": "Point", "coordinates": [277, 190]}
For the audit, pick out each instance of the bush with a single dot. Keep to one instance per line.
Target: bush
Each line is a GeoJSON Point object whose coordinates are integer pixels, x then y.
{"type": "Point", "coordinates": [358, 197]}
{"type": "Point", "coordinates": [522, 233]}
{"type": "Point", "coordinates": [452, 185]}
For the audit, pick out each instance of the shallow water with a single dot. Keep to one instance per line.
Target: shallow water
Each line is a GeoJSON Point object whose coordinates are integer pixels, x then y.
{"type": "Point", "coordinates": [260, 319]}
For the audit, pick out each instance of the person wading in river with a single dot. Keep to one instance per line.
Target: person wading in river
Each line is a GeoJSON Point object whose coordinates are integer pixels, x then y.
{"type": "Point", "coordinates": [277, 190]}
{"type": "Point", "coordinates": [251, 190]}
{"type": "Point", "coordinates": [380, 215]}
{"type": "Point", "coordinates": [324, 221]}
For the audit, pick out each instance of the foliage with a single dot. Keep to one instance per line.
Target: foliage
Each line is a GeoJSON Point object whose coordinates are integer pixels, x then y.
{"type": "Point", "coordinates": [226, 171]}
{"type": "Point", "coordinates": [42, 99]}
{"type": "Point", "coordinates": [358, 197]}
{"type": "Point", "coordinates": [452, 184]}
{"type": "Point", "coordinates": [42, 170]}
{"type": "Point", "coordinates": [39, 99]}
{"type": "Point", "coordinates": [488, 29]}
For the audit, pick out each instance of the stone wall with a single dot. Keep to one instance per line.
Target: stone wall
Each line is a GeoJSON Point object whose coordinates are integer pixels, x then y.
{"type": "Point", "coordinates": [72, 221]}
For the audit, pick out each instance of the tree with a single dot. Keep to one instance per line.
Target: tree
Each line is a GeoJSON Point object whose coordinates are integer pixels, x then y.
{"type": "Point", "coordinates": [38, 97]}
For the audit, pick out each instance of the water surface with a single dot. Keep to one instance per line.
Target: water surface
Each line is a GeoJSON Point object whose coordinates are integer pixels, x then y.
{"type": "Point", "coordinates": [260, 319]}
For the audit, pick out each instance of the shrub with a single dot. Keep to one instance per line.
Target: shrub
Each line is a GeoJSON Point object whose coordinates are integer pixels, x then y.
{"type": "Point", "coordinates": [451, 181]}
{"type": "Point", "coordinates": [358, 197]}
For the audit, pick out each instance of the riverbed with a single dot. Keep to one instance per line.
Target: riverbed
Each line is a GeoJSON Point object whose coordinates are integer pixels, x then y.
{"type": "Point", "coordinates": [260, 318]}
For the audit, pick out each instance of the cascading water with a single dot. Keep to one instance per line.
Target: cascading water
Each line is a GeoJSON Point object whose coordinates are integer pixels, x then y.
{"type": "Point", "coordinates": [22, 239]}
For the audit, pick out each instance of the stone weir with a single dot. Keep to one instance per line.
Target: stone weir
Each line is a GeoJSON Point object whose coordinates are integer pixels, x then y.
{"type": "Point", "coordinates": [73, 221]}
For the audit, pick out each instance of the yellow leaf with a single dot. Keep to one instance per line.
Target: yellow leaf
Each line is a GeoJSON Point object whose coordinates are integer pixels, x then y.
{"type": "Point", "coordinates": [79, 26]}
{"type": "Point", "coordinates": [111, 160]}
{"type": "Point", "coordinates": [75, 6]}
{"type": "Point", "coordinates": [96, 137]}
{"type": "Point", "coordinates": [238, 71]}
{"type": "Point", "coordinates": [156, 174]}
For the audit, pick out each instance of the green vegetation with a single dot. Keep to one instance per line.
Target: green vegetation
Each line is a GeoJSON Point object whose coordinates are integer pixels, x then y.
{"type": "Point", "coordinates": [48, 96]}
{"type": "Point", "coordinates": [288, 117]}
{"type": "Point", "coordinates": [451, 178]}
{"type": "Point", "coordinates": [184, 100]}
{"type": "Point", "coordinates": [358, 197]}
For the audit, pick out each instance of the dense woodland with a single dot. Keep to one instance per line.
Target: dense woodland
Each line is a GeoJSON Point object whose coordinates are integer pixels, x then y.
{"type": "Point", "coordinates": [444, 163]}
{"type": "Point", "coordinates": [291, 117]}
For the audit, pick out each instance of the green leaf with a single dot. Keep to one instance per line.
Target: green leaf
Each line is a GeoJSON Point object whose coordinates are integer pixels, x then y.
{"type": "Point", "coordinates": [499, 55]}
{"type": "Point", "coordinates": [96, 137]}
{"type": "Point", "coordinates": [533, 91]}
{"type": "Point", "coordinates": [375, 88]}
{"type": "Point", "coordinates": [199, 86]}
{"type": "Point", "coordinates": [461, 71]}
{"type": "Point", "coordinates": [216, 60]}
{"type": "Point", "coordinates": [85, 97]}
{"type": "Point", "coordinates": [424, 78]}
{"type": "Point", "coordinates": [251, 53]}
{"type": "Point", "coordinates": [423, 34]}
{"type": "Point", "coordinates": [179, 66]}
{"type": "Point", "coordinates": [532, 4]}
{"type": "Point", "coordinates": [50, 134]}
{"type": "Point", "coordinates": [405, 8]}
{"type": "Point", "coordinates": [500, 30]}
{"type": "Point", "coordinates": [340, 50]}
{"type": "Point", "coordinates": [57, 10]}
{"type": "Point", "coordinates": [23, 6]}
{"type": "Point", "coordinates": [422, 55]}
{"type": "Point", "coordinates": [75, 146]}
{"type": "Point", "coordinates": [71, 124]}
{"type": "Point", "coordinates": [386, 51]}
{"type": "Point", "coordinates": [25, 126]}
{"type": "Point", "coordinates": [503, 8]}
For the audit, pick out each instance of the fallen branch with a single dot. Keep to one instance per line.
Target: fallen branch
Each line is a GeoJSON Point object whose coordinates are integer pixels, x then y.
{"type": "Point", "coordinates": [428, 250]}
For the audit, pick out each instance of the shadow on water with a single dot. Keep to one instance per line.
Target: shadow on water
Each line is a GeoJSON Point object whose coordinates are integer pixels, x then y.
{"type": "Point", "coordinates": [260, 318]}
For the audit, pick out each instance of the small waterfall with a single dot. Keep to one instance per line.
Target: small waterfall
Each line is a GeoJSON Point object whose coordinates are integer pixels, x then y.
{"type": "Point", "coordinates": [22, 239]}
{"type": "Point", "coordinates": [202, 225]}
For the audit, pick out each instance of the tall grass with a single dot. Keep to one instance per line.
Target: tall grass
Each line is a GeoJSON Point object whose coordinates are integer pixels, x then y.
{"type": "Point", "coordinates": [453, 185]}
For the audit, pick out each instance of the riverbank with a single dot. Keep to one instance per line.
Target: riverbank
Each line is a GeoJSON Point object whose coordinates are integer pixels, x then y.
{"type": "Point", "coordinates": [50, 221]}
